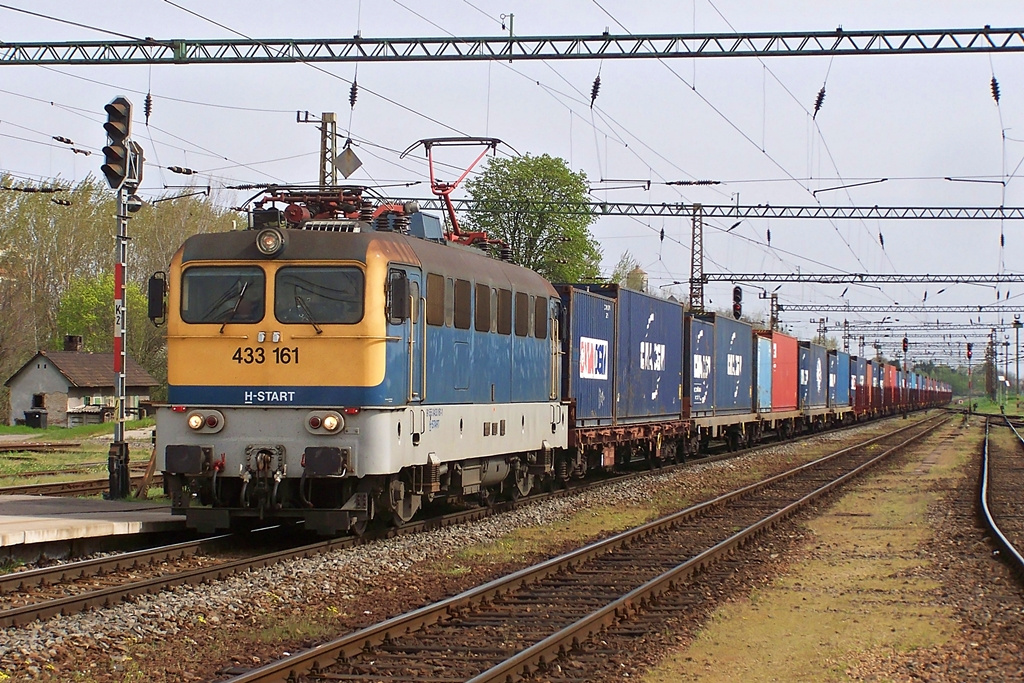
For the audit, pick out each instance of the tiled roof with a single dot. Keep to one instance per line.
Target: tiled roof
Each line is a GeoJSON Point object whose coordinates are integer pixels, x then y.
{"type": "Point", "coordinates": [89, 370]}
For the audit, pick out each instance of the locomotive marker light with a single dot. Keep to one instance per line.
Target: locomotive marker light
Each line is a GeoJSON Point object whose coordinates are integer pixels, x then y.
{"type": "Point", "coordinates": [270, 242]}
{"type": "Point", "coordinates": [122, 167]}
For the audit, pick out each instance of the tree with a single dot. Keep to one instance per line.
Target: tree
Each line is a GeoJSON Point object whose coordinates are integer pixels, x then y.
{"type": "Point", "coordinates": [559, 246]}
{"type": "Point", "coordinates": [48, 244]}
{"type": "Point", "coordinates": [87, 309]}
{"type": "Point", "coordinates": [627, 273]}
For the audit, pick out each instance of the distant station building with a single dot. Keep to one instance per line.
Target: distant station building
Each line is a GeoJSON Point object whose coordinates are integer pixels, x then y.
{"type": "Point", "coordinates": [72, 387]}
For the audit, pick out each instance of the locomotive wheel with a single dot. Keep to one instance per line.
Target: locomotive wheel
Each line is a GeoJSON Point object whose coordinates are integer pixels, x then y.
{"type": "Point", "coordinates": [401, 502]}
{"type": "Point", "coordinates": [522, 485]}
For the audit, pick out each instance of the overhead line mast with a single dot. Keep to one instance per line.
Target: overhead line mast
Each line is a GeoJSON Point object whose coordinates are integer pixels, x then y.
{"type": "Point", "coordinates": [867, 278]}
{"type": "Point", "coordinates": [514, 48]}
{"type": "Point", "coordinates": [737, 211]}
{"type": "Point", "coordinates": [836, 308]}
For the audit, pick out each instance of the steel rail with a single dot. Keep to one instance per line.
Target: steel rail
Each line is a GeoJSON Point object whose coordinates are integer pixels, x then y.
{"type": "Point", "coordinates": [21, 581]}
{"type": "Point", "coordinates": [1010, 552]}
{"type": "Point", "coordinates": [316, 658]}
{"type": "Point", "coordinates": [515, 48]}
{"type": "Point", "coordinates": [83, 487]}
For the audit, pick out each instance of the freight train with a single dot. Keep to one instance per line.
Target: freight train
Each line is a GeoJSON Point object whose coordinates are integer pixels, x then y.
{"type": "Point", "coordinates": [343, 362]}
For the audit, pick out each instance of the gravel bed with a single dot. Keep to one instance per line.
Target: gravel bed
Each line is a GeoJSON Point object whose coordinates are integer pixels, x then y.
{"type": "Point", "coordinates": [43, 650]}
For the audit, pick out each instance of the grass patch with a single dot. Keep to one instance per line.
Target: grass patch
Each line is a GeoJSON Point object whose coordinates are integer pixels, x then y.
{"type": "Point", "coordinates": [298, 626]}
{"type": "Point", "coordinates": [54, 433]}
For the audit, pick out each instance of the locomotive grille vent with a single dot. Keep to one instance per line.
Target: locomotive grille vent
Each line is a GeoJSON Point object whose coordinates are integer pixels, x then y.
{"type": "Point", "coordinates": [331, 226]}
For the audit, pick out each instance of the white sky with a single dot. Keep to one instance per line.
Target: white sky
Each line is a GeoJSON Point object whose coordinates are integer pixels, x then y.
{"type": "Point", "coordinates": [912, 119]}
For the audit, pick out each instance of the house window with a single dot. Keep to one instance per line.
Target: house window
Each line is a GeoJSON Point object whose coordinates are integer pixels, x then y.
{"type": "Point", "coordinates": [38, 400]}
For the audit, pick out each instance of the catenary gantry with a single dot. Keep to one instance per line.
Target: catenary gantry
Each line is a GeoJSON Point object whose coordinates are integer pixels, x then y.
{"type": "Point", "coordinates": [515, 48]}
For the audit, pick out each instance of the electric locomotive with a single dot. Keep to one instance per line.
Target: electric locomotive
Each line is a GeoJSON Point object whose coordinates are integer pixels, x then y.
{"type": "Point", "coordinates": [343, 360]}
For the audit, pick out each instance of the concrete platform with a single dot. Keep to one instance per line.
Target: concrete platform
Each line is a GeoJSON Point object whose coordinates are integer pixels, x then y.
{"type": "Point", "coordinates": [28, 520]}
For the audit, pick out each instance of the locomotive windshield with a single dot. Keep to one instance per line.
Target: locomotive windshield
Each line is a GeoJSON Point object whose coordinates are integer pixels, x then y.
{"type": "Point", "coordinates": [319, 294]}
{"type": "Point", "coordinates": [221, 294]}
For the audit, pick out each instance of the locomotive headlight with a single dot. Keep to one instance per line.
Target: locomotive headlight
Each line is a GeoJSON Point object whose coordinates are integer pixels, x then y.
{"type": "Point", "coordinates": [205, 421]}
{"type": "Point", "coordinates": [270, 241]}
{"type": "Point", "coordinates": [331, 423]}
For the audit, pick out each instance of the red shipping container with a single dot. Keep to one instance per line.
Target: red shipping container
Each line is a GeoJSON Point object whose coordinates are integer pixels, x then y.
{"type": "Point", "coordinates": [892, 390]}
{"type": "Point", "coordinates": [874, 376]}
{"type": "Point", "coordinates": [784, 370]}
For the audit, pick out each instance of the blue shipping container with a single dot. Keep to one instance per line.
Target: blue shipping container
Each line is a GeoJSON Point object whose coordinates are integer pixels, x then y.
{"type": "Point", "coordinates": [813, 376]}
{"type": "Point", "coordinates": [587, 374]}
{"type": "Point", "coordinates": [833, 371]}
{"type": "Point", "coordinates": [763, 392]}
{"type": "Point", "coordinates": [648, 358]}
{"type": "Point", "coordinates": [839, 392]}
{"type": "Point", "coordinates": [698, 366]}
{"type": "Point", "coordinates": [734, 365]}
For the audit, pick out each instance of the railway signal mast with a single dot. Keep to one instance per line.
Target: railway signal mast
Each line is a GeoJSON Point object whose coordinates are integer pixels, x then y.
{"type": "Point", "coordinates": [122, 167]}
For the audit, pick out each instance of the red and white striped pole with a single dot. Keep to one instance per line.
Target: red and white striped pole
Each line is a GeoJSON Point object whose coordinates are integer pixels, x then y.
{"type": "Point", "coordinates": [117, 461]}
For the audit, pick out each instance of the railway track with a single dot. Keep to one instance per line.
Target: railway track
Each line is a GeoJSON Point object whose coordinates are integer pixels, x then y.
{"type": "Point", "coordinates": [74, 587]}
{"type": "Point", "coordinates": [82, 487]}
{"type": "Point", "coordinates": [1002, 480]}
{"type": "Point", "coordinates": [39, 446]}
{"type": "Point", "coordinates": [523, 623]}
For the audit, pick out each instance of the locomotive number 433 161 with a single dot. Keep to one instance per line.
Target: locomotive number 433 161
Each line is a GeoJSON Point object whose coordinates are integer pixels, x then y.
{"type": "Point", "coordinates": [280, 355]}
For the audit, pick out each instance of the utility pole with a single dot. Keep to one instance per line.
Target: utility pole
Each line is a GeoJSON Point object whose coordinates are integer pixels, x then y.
{"type": "Point", "coordinates": [122, 167]}
{"type": "Point", "coordinates": [1017, 324]}
{"type": "Point", "coordinates": [1006, 368]}
{"type": "Point", "coordinates": [697, 261]}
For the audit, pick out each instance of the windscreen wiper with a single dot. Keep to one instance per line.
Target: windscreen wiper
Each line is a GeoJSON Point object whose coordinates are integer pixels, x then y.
{"type": "Point", "coordinates": [234, 309]}
{"type": "Point", "coordinates": [309, 315]}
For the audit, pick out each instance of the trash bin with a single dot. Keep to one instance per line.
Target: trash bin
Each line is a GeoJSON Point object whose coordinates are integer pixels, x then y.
{"type": "Point", "coordinates": [36, 418]}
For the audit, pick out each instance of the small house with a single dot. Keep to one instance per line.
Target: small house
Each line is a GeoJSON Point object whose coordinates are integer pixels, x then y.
{"type": "Point", "coordinates": [72, 387]}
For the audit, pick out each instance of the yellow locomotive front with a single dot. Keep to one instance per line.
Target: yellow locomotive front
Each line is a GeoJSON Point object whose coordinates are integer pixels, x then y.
{"type": "Point", "coordinates": [287, 352]}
